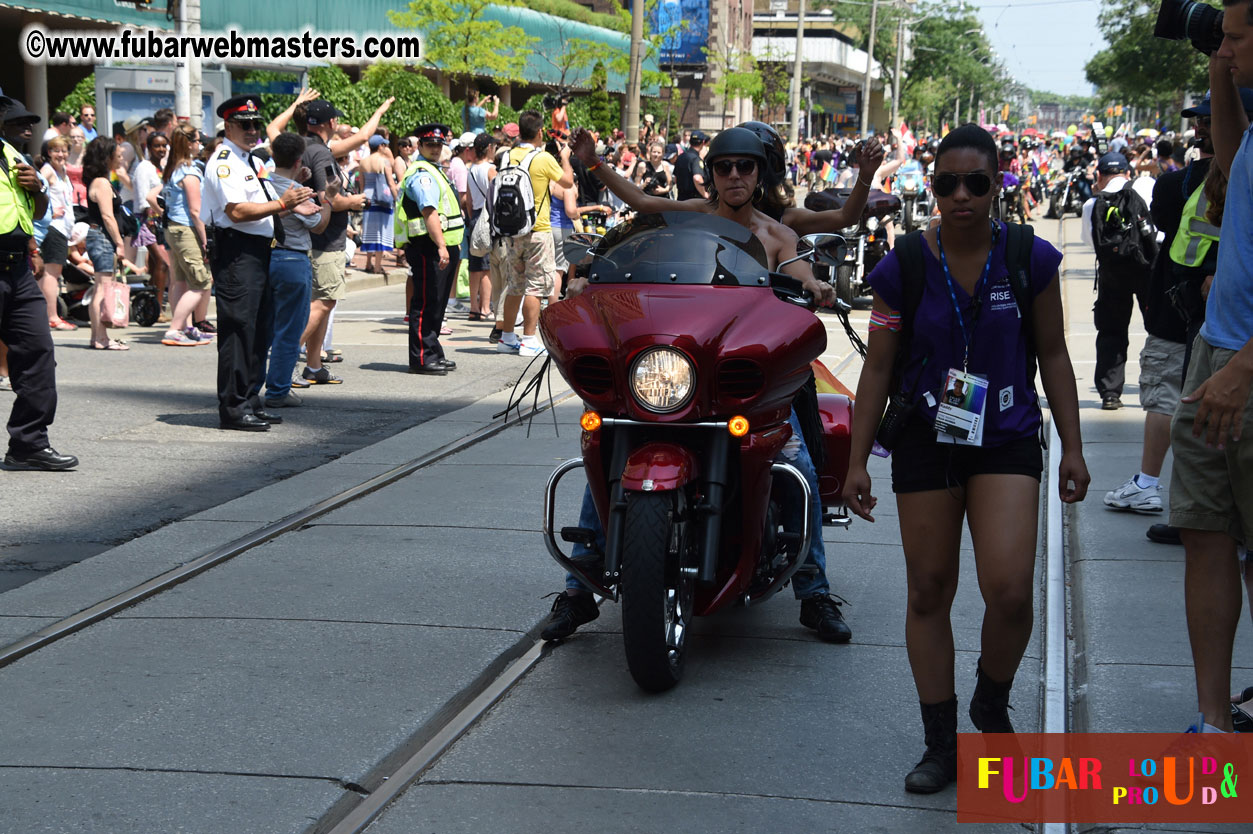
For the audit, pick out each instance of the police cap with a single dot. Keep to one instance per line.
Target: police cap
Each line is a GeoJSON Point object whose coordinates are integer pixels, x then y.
{"type": "Point", "coordinates": [240, 108]}
{"type": "Point", "coordinates": [434, 132]}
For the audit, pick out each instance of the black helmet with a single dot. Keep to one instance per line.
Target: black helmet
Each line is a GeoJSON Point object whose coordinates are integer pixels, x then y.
{"type": "Point", "coordinates": [776, 152]}
{"type": "Point", "coordinates": [737, 141]}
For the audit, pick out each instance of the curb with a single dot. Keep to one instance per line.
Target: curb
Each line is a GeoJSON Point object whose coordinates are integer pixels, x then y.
{"type": "Point", "coordinates": [356, 279]}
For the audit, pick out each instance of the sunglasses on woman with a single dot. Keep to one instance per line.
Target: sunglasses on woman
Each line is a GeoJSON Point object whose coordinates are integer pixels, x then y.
{"type": "Point", "coordinates": [722, 167]}
{"type": "Point", "coordinates": [978, 183]}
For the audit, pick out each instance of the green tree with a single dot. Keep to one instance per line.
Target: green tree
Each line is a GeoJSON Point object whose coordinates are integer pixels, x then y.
{"type": "Point", "coordinates": [776, 81]}
{"type": "Point", "coordinates": [735, 76]}
{"type": "Point", "coordinates": [84, 92]}
{"type": "Point", "coordinates": [601, 111]}
{"type": "Point", "coordinates": [418, 100]}
{"type": "Point", "coordinates": [456, 35]}
{"type": "Point", "coordinates": [1138, 69]}
{"type": "Point", "coordinates": [952, 60]}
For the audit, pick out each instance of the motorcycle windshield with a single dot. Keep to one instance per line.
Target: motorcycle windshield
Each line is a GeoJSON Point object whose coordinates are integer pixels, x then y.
{"type": "Point", "coordinates": [680, 247]}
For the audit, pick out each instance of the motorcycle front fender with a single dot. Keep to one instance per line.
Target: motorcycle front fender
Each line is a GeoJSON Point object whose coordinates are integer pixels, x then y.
{"type": "Point", "coordinates": [658, 467]}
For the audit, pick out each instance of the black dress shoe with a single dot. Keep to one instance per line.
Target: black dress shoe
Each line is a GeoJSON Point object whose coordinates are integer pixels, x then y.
{"type": "Point", "coordinates": [433, 369]}
{"type": "Point", "coordinates": [272, 419]}
{"type": "Point", "coordinates": [447, 364]}
{"type": "Point", "coordinates": [48, 460]}
{"type": "Point", "coordinates": [1111, 402]}
{"type": "Point", "coordinates": [1164, 534]}
{"type": "Point", "coordinates": [249, 422]}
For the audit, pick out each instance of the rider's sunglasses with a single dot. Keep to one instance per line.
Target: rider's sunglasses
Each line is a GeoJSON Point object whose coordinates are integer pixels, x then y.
{"type": "Point", "coordinates": [723, 167]}
{"type": "Point", "coordinates": [978, 183]}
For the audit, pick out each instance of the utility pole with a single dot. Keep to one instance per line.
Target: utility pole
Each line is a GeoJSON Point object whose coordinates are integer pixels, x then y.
{"type": "Point", "coordinates": [896, 77]}
{"type": "Point", "coordinates": [633, 81]}
{"type": "Point", "coordinates": [865, 85]}
{"type": "Point", "coordinates": [794, 126]}
{"type": "Point", "coordinates": [182, 73]}
{"type": "Point", "coordinates": [196, 107]}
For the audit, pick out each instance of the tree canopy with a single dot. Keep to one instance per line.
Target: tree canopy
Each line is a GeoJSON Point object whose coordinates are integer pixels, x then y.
{"type": "Point", "coordinates": [1137, 68]}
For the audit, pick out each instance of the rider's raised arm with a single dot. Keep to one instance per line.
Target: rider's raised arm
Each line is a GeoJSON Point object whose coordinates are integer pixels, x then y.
{"type": "Point", "coordinates": [806, 222]}
{"type": "Point", "coordinates": [628, 192]}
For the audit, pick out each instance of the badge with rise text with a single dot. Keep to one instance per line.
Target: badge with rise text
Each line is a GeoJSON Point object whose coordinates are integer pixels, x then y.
{"type": "Point", "coordinates": [959, 418]}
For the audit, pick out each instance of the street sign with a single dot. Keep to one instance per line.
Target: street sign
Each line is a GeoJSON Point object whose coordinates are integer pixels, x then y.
{"type": "Point", "coordinates": [282, 88]}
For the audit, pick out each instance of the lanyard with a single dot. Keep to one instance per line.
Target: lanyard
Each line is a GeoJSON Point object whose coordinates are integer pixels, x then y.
{"type": "Point", "coordinates": [978, 293]}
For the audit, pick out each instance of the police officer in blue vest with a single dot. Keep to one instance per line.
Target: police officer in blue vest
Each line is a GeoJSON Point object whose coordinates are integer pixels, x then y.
{"type": "Point", "coordinates": [24, 315]}
{"type": "Point", "coordinates": [434, 227]}
{"type": "Point", "coordinates": [238, 206]}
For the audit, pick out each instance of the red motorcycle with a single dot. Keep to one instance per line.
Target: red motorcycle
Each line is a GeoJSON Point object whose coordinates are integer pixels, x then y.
{"type": "Point", "coordinates": [687, 352]}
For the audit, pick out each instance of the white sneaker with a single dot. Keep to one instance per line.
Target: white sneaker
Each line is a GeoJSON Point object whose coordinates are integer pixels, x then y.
{"type": "Point", "coordinates": [508, 347]}
{"type": "Point", "coordinates": [535, 348]}
{"type": "Point", "coordinates": [1132, 496]}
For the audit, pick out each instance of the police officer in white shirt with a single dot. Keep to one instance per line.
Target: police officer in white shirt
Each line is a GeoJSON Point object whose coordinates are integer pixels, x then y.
{"type": "Point", "coordinates": [238, 208]}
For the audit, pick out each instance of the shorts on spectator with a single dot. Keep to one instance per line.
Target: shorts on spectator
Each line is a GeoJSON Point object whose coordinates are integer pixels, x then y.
{"type": "Point", "coordinates": [55, 250]}
{"type": "Point", "coordinates": [100, 251]}
{"type": "Point", "coordinates": [530, 265]}
{"type": "Point", "coordinates": [186, 261]}
{"type": "Point", "coordinates": [1211, 488]}
{"type": "Point", "coordinates": [1161, 375]}
{"type": "Point", "coordinates": [920, 463]}
{"type": "Point", "coordinates": [328, 276]}
{"type": "Point", "coordinates": [560, 233]}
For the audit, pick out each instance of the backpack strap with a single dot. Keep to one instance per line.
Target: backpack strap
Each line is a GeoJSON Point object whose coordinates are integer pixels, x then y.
{"type": "Point", "coordinates": [909, 255]}
{"type": "Point", "coordinates": [1019, 243]}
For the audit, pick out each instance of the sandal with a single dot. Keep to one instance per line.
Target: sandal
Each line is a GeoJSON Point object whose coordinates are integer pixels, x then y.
{"type": "Point", "coordinates": [62, 324]}
{"type": "Point", "coordinates": [113, 344]}
{"type": "Point", "coordinates": [331, 358]}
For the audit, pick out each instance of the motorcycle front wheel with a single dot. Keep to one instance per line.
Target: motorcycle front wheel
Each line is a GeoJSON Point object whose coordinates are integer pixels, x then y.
{"type": "Point", "coordinates": [907, 215]}
{"type": "Point", "coordinates": [658, 588]}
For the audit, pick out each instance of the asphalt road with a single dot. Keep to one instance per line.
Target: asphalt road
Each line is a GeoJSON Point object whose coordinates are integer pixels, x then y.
{"type": "Point", "coordinates": [144, 426]}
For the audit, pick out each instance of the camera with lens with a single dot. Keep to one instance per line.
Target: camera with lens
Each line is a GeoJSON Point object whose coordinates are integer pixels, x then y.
{"type": "Point", "coordinates": [1198, 22]}
{"type": "Point", "coordinates": [554, 100]}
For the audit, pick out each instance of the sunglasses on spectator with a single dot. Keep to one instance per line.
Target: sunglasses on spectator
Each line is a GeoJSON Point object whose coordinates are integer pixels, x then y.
{"type": "Point", "coordinates": [250, 124]}
{"type": "Point", "coordinates": [723, 167]}
{"type": "Point", "coordinates": [978, 183]}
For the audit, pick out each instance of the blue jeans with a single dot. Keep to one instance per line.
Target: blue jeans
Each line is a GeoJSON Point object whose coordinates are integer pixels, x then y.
{"type": "Point", "coordinates": [291, 286]}
{"type": "Point", "coordinates": [809, 581]}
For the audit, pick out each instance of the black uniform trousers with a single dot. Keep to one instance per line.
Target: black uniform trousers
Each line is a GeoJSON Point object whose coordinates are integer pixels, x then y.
{"type": "Point", "coordinates": [431, 288]}
{"type": "Point", "coordinates": [32, 367]}
{"type": "Point", "coordinates": [1117, 292]}
{"type": "Point", "coordinates": [241, 278]}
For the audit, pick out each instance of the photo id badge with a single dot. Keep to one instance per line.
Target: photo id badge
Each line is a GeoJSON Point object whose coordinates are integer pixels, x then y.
{"type": "Point", "coordinates": [959, 418]}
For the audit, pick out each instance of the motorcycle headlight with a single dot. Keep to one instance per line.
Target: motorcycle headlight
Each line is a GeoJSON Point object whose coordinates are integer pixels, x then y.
{"type": "Point", "coordinates": [872, 223]}
{"type": "Point", "coordinates": [662, 380]}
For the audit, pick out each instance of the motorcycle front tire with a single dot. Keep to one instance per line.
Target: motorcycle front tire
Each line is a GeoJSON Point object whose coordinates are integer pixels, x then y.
{"type": "Point", "coordinates": [844, 283]}
{"type": "Point", "coordinates": [657, 597]}
{"type": "Point", "coordinates": [907, 215]}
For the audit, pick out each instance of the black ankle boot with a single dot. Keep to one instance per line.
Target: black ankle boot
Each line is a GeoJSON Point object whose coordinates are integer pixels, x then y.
{"type": "Point", "coordinates": [939, 764]}
{"type": "Point", "coordinates": [989, 708]}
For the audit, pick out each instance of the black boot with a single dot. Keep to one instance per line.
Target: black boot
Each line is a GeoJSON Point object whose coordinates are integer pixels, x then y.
{"type": "Point", "coordinates": [939, 764]}
{"type": "Point", "coordinates": [989, 708]}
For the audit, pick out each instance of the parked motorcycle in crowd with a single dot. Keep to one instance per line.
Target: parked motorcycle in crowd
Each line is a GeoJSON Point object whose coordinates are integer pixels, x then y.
{"type": "Point", "coordinates": [1066, 196]}
{"type": "Point", "coordinates": [867, 241]}
{"type": "Point", "coordinates": [687, 354]}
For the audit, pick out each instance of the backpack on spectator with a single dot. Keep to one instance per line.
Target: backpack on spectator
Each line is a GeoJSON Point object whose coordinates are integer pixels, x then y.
{"type": "Point", "coordinates": [513, 199]}
{"type": "Point", "coordinates": [1122, 230]}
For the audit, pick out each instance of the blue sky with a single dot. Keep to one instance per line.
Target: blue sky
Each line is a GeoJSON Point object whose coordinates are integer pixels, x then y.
{"type": "Point", "coordinates": [1044, 43]}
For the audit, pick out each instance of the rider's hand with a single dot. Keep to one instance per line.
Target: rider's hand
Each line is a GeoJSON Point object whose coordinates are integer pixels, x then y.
{"type": "Point", "coordinates": [823, 293]}
{"type": "Point", "coordinates": [583, 146]}
{"type": "Point", "coordinates": [869, 156]}
{"type": "Point", "coordinates": [575, 287]}
{"type": "Point", "coordinates": [856, 493]}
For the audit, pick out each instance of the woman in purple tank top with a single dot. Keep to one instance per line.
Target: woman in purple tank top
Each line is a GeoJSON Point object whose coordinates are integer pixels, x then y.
{"type": "Point", "coordinates": [969, 450]}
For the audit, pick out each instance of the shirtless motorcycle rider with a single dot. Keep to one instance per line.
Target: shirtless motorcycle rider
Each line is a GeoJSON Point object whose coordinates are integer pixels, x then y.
{"type": "Point", "coordinates": [737, 161]}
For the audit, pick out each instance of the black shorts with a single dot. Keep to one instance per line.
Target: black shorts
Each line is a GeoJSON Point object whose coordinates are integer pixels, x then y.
{"type": "Point", "coordinates": [920, 463]}
{"type": "Point", "coordinates": [55, 249]}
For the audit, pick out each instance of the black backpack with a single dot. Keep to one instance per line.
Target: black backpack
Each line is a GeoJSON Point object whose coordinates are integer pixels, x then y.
{"type": "Point", "coordinates": [1019, 241]}
{"type": "Point", "coordinates": [1122, 230]}
{"type": "Point", "coordinates": [513, 199]}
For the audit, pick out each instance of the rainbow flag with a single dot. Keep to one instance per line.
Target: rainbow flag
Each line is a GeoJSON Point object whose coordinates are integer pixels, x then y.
{"type": "Point", "coordinates": [826, 382]}
{"type": "Point", "coordinates": [826, 174]}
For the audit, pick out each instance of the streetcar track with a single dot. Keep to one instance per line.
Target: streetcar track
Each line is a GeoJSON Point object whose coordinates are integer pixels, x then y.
{"type": "Point", "coordinates": [106, 608]}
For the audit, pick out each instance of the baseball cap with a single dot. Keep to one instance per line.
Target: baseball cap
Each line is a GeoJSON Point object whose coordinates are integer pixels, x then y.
{"type": "Point", "coordinates": [648, 117]}
{"type": "Point", "coordinates": [320, 112]}
{"type": "Point", "coordinates": [16, 113]}
{"type": "Point", "coordinates": [1113, 163]}
{"type": "Point", "coordinates": [699, 136]}
{"type": "Point", "coordinates": [1204, 109]}
{"type": "Point", "coordinates": [377, 142]}
{"type": "Point", "coordinates": [465, 140]}
{"type": "Point", "coordinates": [511, 130]}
